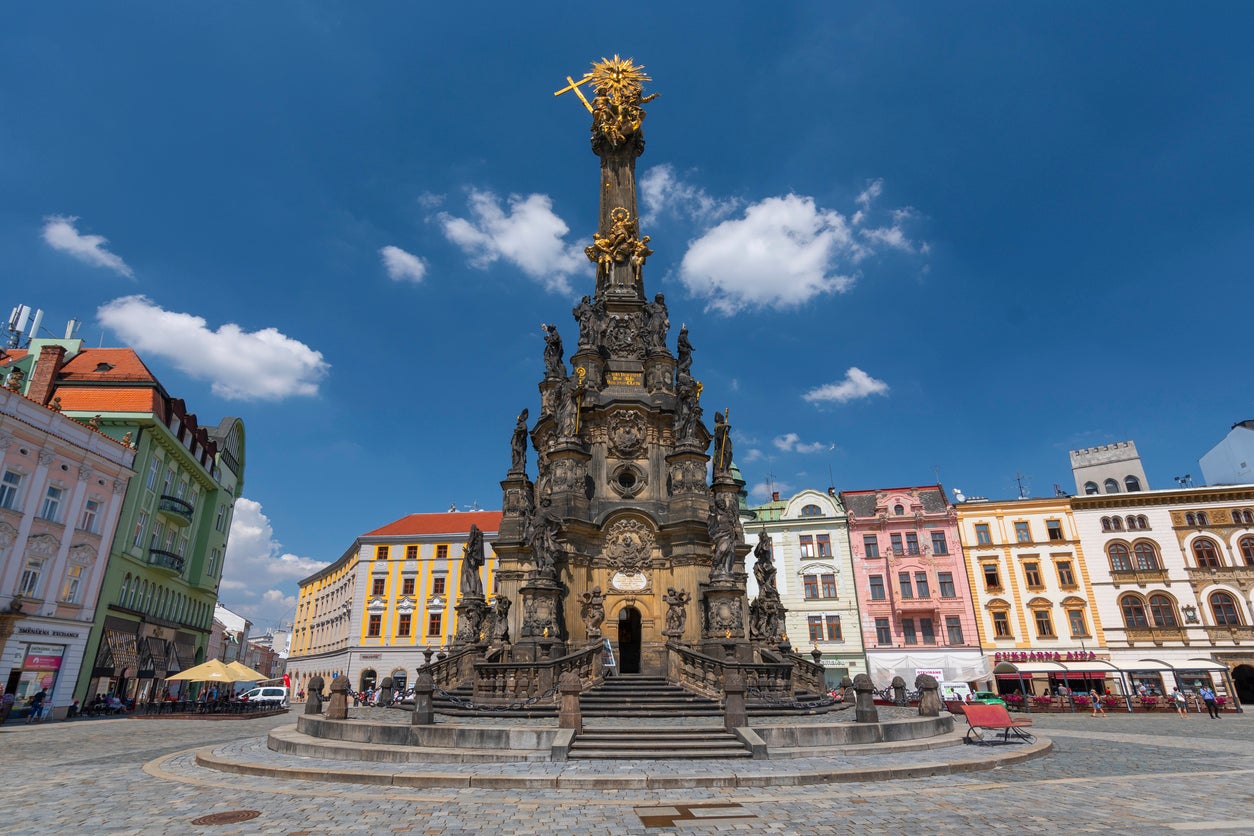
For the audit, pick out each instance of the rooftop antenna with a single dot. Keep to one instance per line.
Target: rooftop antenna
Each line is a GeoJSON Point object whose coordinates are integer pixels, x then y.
{"type": "Point", "coordinates": [1023, 490]}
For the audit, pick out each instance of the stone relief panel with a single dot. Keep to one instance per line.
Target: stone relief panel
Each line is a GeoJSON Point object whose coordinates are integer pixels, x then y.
{"type": "Point", "coordinates": [629, 545]}
{"type": "Point", "coordinates": [626, 433]}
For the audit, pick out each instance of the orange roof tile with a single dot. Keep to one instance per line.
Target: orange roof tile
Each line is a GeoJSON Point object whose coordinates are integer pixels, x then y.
{"type": "Point", "coordinates": [107, 399]}
{"type": "Point", "coordinates": [125, 364]}
{"type": "Point", "coordinates": [451, 523]}
{"type": "Point", "coordinates": [12, 355]}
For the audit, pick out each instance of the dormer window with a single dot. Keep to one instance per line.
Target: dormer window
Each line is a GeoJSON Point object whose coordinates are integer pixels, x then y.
{"type": "Point", "coordinates": [811, 511]}
{"type": "Point", "coordinates": [101, 368]}
{"type": "Point", "coordinates": [899, 509]}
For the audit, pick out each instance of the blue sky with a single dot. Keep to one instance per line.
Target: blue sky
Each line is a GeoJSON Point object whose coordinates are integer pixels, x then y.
{"type": "Point", "coordinates": [909, 239]}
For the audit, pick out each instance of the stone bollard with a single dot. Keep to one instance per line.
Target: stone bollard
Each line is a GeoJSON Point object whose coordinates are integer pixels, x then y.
{"type": "Point", "coordinates": [385, 692]}
{"type": "Point", "coordinates": [899, 691]}
{"type": "Point", "coordinates": [313, 698]}
{"type": "Point", "coordinates": [848, 691]}
{"type": "Point", "coordinates": [337, 708]}
{"type": "Point", "coordinates": [864, 709]}
{"type": "Point", "coordinates": [569, 716]}
{"type": "Point", "coordinates": [734, 714]}
{"type": "Point", "coordinates": [929, 695]}
{"type": "Point", "coordinates": [424, 710]}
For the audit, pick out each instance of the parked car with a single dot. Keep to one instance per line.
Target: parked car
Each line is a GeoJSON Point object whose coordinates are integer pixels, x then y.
{"type": "Point", "coordinates": [265, 695]}
{"type": "Point", "coordinates": [987, 698]}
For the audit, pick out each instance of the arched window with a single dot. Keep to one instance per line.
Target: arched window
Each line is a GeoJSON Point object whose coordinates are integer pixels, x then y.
{"type": "Point", "coordinates": [143, 598]}
{"type": "Point", "coordinates": [1247, 550]}
{"type": "Point", "coordinates": [1142, 522]}
{"type": "Point", "coordinates": [1120, 560]}
{"type": "Point", "coordinates": [1090, 487]}
{"type": "Point", "coordinates": [1236, 517]}
{"type": "Point", "coordinates": [1105, 523]}
{"type": "Point", "coordinates": [1112, 486]}
{"type": "Point", "coordinates": [1146, 557]}
{"type": "Point", "coordinates": [1116, 523]}
{"type": "Point", "coordinates": [1131, 523]}
{"type": "Point", "coordinates": [1206, 554]}
{"type": "Point", "coordinates": [126, 585]}
{"type": "Point", "coordinates": [1189, 519]}
{"type": "Point", "coordinates": [814, 511]}
{"type": "Point", "coordinates": [1132, 483]}
{"type": "Point", "coordinates": [899, 509]}
{"type": "Point", "coordinates": [1133, 612]}
{"type": "Point", "coordinates": [1163, 611]}
{"type": "Point", "coordinates": [1202, 519]}
{"type": "Point", "coordinates": [1224, 608]}
{"type": "Point", "coordinates": [1247, 517]}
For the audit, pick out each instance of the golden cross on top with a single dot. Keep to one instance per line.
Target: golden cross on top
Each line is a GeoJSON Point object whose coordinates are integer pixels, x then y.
{"type": "Point", "coordinates": [574, 85]}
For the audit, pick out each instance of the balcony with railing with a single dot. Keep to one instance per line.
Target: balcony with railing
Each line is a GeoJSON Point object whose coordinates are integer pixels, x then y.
{"type": "Point", "coordinates": [178, 511]}
{"type": "Point", "coordinates": [1238, 575]}
{"type": "Point", "coordinates": [1140, 577]}
{"type": "Point", "coordinates": [163, 559]}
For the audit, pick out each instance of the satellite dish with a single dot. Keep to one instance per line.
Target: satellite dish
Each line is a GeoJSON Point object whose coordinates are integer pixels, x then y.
{"type": "Point", "coordinates": [958, 497]}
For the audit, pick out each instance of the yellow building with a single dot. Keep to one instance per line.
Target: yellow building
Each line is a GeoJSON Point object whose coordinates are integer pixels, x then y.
{"type": "Point", "coordinates": [1033, 599]}
{"type": "Point", "coordinates": [387, 605]}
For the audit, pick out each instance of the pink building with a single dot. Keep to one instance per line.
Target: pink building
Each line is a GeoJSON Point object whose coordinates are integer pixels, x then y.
{"type": "Point", "coordinates": [915, 602]}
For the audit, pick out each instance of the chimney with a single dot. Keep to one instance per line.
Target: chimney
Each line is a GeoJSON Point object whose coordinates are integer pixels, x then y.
{"type": "Point", "coordinates": [44, 375]}
{"type": "Point", "coordinates": [774, 496]}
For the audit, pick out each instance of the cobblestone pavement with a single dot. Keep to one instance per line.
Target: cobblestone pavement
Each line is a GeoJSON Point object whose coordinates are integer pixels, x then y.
{"type": "Point", "coordinates": [1124, 774]}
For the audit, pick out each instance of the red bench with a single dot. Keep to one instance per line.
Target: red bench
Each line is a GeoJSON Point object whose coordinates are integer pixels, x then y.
{"type": "Point", "coordinates": [955, 707]}
{"type": "Point", "coordinates": [996, 718]}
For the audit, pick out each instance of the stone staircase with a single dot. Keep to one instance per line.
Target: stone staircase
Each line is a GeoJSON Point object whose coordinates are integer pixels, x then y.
{"type": "Point", "coordinates": [632, 695]}
{"type": "Point", "coordinates": [643, 742]}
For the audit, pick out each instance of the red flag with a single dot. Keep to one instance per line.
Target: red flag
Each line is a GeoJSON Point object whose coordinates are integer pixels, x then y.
{"type": "Point", "coordinates": [287, 682]}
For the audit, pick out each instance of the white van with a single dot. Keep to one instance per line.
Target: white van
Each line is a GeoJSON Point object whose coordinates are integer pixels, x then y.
{"type": "Point", "coordinates": [266, 695]}
{"type": "Point", "coordinates": [954, 691]}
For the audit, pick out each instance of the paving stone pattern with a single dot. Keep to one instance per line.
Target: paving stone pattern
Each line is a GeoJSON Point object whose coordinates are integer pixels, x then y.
{"type": "Point", "coordinates": [1139, 774]}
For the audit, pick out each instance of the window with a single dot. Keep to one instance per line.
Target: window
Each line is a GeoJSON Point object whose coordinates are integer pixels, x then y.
{"type": "Point", "coordinates": [1075, 618]}
{"type": "Point", "coordinates": [158, 536]}
{"type": "Point", "coordinates": [1066, 577]}
{"type": "Point", "coordinates": [1116, 523]}
{"type": "Point", "coordinates": [824, 542]}
{"type": "Point", "coordinates": [1112, 486]}
{"type": "Point", "coordinates": [903, 580]}
{"type": "Point", "coordinates": [899, 510]}
{"type": "Point", "coordinates": [1044, 625]}
{"type": "Point", "coordinates": [908, 634]}
{"type": "Point", "coordinates": [437, 585]}
{"type": "Point", "coordinates": [154, 468]}
{"type": "Point", "coordinates": [920, 585]}
{"type": "Point", "coordinates": [182, 549]}
{"type": "Point", "coordinates": [411, 552]}
{"type": "Point", "coordinates": [1189, 519]}
{"type": "Point", "coordinates": [1224, 606]}
{"type": "Point", "coordinates": [91, 510]}
{"type": "Point", "coordinates": [896, 543]}
{"type": "Point", "coordinates": [811, 511]}
{"type": "Point", "coordinates": [982, 535]}
{"type": "Point", "coordinates": [807, 546]}
{"type": "Point", "coordinates": [1132, 483]}
{"type": "Point", "coordinates": [953, 629]}
{"type": "Point", "coordinates": [407, 586]}
{"type": "Point", "coordinates": [829, 586]}
{"type": "Point", "coordinates": [1247, 550]}
{"type": "Point", "coordinates": [1022, 533]}
{"type": "Point", "coordinates": [811, 585]}
{"type": "Point", "coordinates": [29, 583]}
{"type": "Point", "coordinates": [939, 544]}
{"type": "Point", "coordinates": [834, 633]}
{"type": "Point", "coordinates": [213, 561]}
{"type": "Point", "coordinates": [403, 624]}
{"type": "Point", "coordinates": [1120, 561]}
{"type": "Point", "coordinates": [1105, 523]}
{"type": "Point", "coordinates": [815, 623]}
{"type": "Point", "coordinates": [1054, 529]}
{"type": "Point", "coordinates": [992, 580]}
{"type": "Point", "coordinates": [376, 586]}
{"type": "Point", "coordinates": [375, 626]}
{"type": "Point", "coordinates": [1146, 556]}
{"type": "Point", "coordinates": [912, 542]}
{"type": "Point", "coordinates": [167, 487]}
{"type": "Point", "coordinates": [182, 489]}
{"type": "Point", "coordinates": [381, 552]}
{"type": "Point", "coordinates": [1032, 575]}
{"type": "Point", "coordinates": [877, 587]}
{"type": "Point", "coordinates": [1163, 611]}
{"type": "Point", "coordinates": [1206, 554]}
{"type": "Point", "coordinates": [441, 552]}
{"type": "Point", "coordinates": [1133, 612]}
{"type": "Point", "coordinates": [883, 636]}
{"type": "Point", "coordinates": [217, 524]}
{"type": "Point", "coordinates": [52, 503]}
{"type": "Point", "coordinates": [1202, 519]}
{"type": "Point", "coordinates": [1001, 625]}
{"type": "Point", "coordinates": [945, 580]}
{"type": "Point", "coordinates": [435, 623]}
{"type": "Point", "coordinates": [73, 578]}
{"type": "Point", "coordinates": [929, 633]}
{"type": "Point", "coordinates": [8, 489]}
{"type": "Point", "coordinates": [1090, 487]}
{"type": "Point", "coordinates": [871, 544]}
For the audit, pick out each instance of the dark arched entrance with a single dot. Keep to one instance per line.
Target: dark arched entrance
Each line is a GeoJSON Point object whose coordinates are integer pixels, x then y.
{"type": "Point", "coordinates": [629, 640]}
{"type": "Point", "coordinates": [367, 680]}
{"type": "Point", "coordinates": [1243, 681]}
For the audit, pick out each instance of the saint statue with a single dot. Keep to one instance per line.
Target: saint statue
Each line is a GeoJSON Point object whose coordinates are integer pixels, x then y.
{"type": "Point", "coordinates": [683, 351]}
{"type": "Point", "coordinates": [764, 568]}
{"type": "Point", "coordinates": [543, 529]}
{"type": "Point", "coordinates": [656, 324]}
{"type": "Point", "coordinates": [585, 315]}
{"type": "Point", "coordinates": [724, 528]}
{"type": "Point", "coordinates": [518, 445]}
{"type": "Point", "coordinates": [553, 365]}
{"type": "Point", "coordinates": [472, 562]}
{"type": "Point", "coordinates": [722, 444]}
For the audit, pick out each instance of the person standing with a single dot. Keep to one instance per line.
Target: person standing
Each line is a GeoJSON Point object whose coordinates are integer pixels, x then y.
{"type": "Point", "coordinates": [1096, 699]}
{"type": "Point", "coordinates": [6, 706]}
{"type": "Point", "coordinates": [1182, 704]}
{"type": "Point", "coordinates": [37, 706]}
{"type": "Point", "coordinates": [1212, 705]}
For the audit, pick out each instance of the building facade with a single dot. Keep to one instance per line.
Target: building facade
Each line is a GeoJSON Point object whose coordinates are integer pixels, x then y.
{"type": "Point", "coordinates": [913, 590]}
{"type": "Point", "coordinates": [161, 583]}
{"type": "Point", "coordinates": [815, 577]}
{"type": "Point", "coordinates": [61, 491]}
{"type": "Point", "coordinates": [1036, 613]}
{"type": "Point", "coordinates": [1108, 468]}
{"type": "Point", "coordinates": [388, 604]}
{"type": "Point", "coordinates": [1173, 576]}
{"type": "Point", "coordinates": [1231, 461]}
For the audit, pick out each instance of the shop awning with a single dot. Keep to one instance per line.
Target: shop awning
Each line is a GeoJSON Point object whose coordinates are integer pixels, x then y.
{"type": "Point", "coordinates": [1146, 665]}
{"type": "Point", "coordinates": [186, 655]}
{"type": "Point", "coordinates": [1091, 666]}
{"type": "Point", "coordinates": [124, 648]}
{"type": "Point", "coordinates": [1011, 668]}
{"type": "Point", "coordinates": [1200, 665]}
{"type": "Point", "coordinates": [156, 650]}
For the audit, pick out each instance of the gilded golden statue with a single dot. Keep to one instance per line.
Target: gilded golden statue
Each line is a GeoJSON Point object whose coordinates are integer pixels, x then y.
{"type": "Point", "coordinates": [619, 93]}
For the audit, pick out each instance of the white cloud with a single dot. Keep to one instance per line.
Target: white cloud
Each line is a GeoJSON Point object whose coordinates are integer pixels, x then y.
{"type": "Point", "coordinates": [61, 234]}
{"type": "Point", "coordinates": [529, 235]}
{"type": "Point", "coordinates": [256, 564]}
{"type": "Point", "coordinates": [661, 193]}
{"type": "Point", "coordinates": [762, 491]}
{"type": "Point", "coordinates": [857, 384]}
{"type": "Point", "coordinates": [241, 365]}
{"type": "Point", "coordinates": [783, 252]}
{"type": "Point", "coordinates": [873, 190]}
{"type": "Point", "coordinates": [792, 443]}
{"type": "Point", "coordinates": [403, 266]}
{"type": "Point", "coordinates": [753, 454]}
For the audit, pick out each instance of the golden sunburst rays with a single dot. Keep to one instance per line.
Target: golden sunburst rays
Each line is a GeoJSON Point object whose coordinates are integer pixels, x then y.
{"type": "Point", "coordinates": [619, 77]}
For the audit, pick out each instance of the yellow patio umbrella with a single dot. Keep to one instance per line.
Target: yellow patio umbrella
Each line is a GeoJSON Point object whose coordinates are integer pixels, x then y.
{"type": "Point", "coordinates": [211, 671]}
{"type": "Point", "coordinates": [242, 673]}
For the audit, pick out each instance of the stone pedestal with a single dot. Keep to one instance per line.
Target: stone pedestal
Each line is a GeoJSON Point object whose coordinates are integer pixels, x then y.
{"type": "Point", "coordinates": [929, 695]}
{"type": "Point", "coordinates": [723, 619]}
{"type": "Point", "coordinates": [337, 708]}
{"type": "Point", "coordinates": [569, 716]}
{"type": "Point", "coordinates": [542, 617]}
{"type": "Point", "coordinates": [472, 613]}
{"type": "Point", "coordinates": [424, 711]}
{"type": "Point", "coordinates": [864, 708]}
{"type": "Point", "coordinates": [566, 480]}
{"type": "Point", "coordinates": [735, 715]}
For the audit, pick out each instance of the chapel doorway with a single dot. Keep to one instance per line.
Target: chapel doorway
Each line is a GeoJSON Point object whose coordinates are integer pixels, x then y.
{"type": "Point", "coordinates": [629, 640]}
{"type": "Point", "coordinates": [1243, 681]}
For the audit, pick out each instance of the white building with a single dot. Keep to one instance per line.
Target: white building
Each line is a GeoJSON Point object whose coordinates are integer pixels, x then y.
{"type": "Point", "coordinates": [1231, 461]}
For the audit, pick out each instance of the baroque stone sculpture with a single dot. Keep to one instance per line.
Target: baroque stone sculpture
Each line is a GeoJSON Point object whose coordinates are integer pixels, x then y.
{"type": "Point", "coordinates": [518, 445]}
{"type": "Point", "coordinates": [472, 561]}
{"type": "Point", "coordinates": [676, 611]}
{"type": "Point", "coordinates": [593, 611]}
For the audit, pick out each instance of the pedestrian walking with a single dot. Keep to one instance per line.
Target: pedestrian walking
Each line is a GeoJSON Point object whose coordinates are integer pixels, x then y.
{"type": "Point", "coordinates": [6, 706]}
{"type": "Point", "coordinates": [1208, 696]}
{"type": "Point", "coordinates": [1097, 703]}
{"type": "Point", "coordinates": [1182, 703]}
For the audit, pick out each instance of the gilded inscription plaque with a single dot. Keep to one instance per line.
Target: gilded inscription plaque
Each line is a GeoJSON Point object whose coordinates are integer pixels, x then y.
{"type": "Point", "coordinates": [624, 378]}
